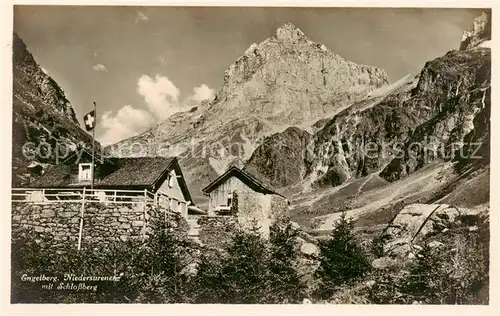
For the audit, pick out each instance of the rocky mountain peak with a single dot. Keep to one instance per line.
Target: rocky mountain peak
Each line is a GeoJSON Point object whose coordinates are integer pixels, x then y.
{"type": "Point", "coordinates": [288, 79]}
{"type": "Point", "coordinates": [285, 80]}
{"type": "Point", "coordinates": [479, 34]}
{"type": "Point", "coordinates": [289, 31]}
{"type": "Point", "coordinates": [41, 114]}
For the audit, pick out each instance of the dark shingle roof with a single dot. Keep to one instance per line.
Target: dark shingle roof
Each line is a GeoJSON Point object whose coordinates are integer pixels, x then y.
{"type": "Point", "coordinates": [141, 171]}
{"type": "Point", "coordinates": [254, 183]}
{"type": "Point", "coordinates": [55, 177]}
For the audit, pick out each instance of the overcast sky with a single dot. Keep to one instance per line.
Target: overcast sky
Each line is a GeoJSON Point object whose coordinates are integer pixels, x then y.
{"type": "Point", "coordinates": [141, 64]}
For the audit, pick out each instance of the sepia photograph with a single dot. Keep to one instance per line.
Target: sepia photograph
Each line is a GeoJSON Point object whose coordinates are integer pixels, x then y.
{"type": "Point", "coordinates": [250, 155]}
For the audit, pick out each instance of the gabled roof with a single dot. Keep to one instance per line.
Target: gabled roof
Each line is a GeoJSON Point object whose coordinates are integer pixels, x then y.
{"type": "Point", "coordinates": [139, 172]}
{"type": "Point", "coordinates": [147, 172]}
{"type": "Point", "coordinates": [251, 181]}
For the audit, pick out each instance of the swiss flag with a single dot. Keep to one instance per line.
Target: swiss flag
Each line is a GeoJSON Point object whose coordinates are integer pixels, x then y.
{"type": "Point", "coordinates": [89, 120]}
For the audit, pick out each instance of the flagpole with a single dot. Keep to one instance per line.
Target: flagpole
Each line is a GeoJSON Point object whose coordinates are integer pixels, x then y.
{"type": "Point", "coordinates": [93, 147]}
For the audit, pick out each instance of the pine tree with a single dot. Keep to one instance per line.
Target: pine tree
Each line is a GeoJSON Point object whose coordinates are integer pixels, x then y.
{"type": "Point", "coordinates": [239, 274]}
{"type": "Point", "coordinates": [286, 285]}
{"type": "Point", "coordinates": [166, 257]}
{"type": "Point", "coordinates": [423, 275]}
{"type": "Point", "coordinates": [341, 258]}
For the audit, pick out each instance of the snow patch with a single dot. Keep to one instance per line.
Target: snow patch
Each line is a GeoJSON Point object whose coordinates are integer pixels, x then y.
{"type": "Point", "coordinates": [485, 44]}
{"type": "Point", "coordinates": [248, 147]}
{"type": "Point", "coordinates": [389, 88]}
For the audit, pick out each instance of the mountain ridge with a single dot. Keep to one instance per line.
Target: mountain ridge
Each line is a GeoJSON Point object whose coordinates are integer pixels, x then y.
{"type": "Point", "coordinates": [286, 80]}
{"type": "Point", "coordinates": [425, 128]}
{"type": "Point", "coordinates": [43, 119]}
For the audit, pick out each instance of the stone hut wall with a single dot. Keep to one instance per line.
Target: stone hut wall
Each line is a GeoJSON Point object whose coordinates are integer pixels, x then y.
{"type": "Point", "coordinates": [103, 223]}
{"type": "Point", "coordinates": [215, 231]}
{"type": "Point", "coordinates": [279, 208]}
{"type": "Point", "coordinates": [264, 210]}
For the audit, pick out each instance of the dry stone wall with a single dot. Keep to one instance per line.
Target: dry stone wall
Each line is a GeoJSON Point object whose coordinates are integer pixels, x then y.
{"type": "Point", "coordinates": [108, 222]}
{"type": "Point", "coordinates": [61, 221]}
{"type": "Point", "coordinates": [103, 223]}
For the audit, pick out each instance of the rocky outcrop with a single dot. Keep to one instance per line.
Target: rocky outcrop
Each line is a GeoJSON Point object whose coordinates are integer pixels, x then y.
{"type": "Point", "coordinates": [413, 223]}
{"type": "Point", "coordinates": [408, 129]}
{"type": "Point", "coordinates": [289, 79]}
{"type": "Point", "coordinates": [308, 248]}
{"type": "Point", "coordinates": [384, 263]}
{"type": "Point", "coordinates": [280, 158]}
{"type": "Point", "coordinates": [43, 119]}
{"type": "Point", "coordinates": [479, 33]}
{"type": "Point", "coordinates": [460, 82]}
{"type": "Point", "coordinates": [30, 73]}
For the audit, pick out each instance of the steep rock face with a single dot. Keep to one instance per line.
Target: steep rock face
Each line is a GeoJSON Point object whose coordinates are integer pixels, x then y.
{"type": "Point", "coordinates": [464, 81]}
{"type": "Point", "coordinates": [28, 72]}
{"type": "Point", "coordinates": [479, 33]}
{"type": "Point", "coordinates": [476, 150]}
{"type": "Point", "coordinates": [378, 116]}
{"type": "Point", "coordinates": [408, 129]}
{"type": "Point", "coordinates": [280, 158]}
{"type": "Point", "coordinates": [444, 109]}
{"type": "Point", "coordinates": [284, 81]}
{"type": "Point", "coordinates": [361, 139]}
{"type": "Point", "coordinates": [42, 118]}
{"type": "Point", "coordinates": [289, 79]}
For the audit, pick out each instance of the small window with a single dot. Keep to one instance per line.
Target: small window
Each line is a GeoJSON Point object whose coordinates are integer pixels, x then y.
{"type": "Point", "coordinates": [229, 199]}
{"type": "Point", "coordinates": [172, 205]}
{"type": "Point", "coordinates": [170, 181]}
{"type": "Point", "coordinates": [85, 172]}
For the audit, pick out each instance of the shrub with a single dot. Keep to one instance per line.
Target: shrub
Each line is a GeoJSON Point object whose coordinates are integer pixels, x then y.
{"type": "Point", "coordinates": [150, 271]}
{"type": "Point", "coordinates": [31, 257]}
{"type": "Point", "coordinates": [377, 245]}
{"type": "Point", "coordinates": [425, 276]}
{"type": "Point", "coordinates": [386, 288]}
{"type": "Point", "coordinates": [251, 269]}
{"type": "Point", "coordinates": [453, 274]}
{"type": "Point", "coordinates": [166, 257]}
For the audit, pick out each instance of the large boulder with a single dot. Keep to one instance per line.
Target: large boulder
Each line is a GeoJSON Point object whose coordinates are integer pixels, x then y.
{"type": "Point", "coordinates": [309, 249]}
{"type": "Point", "coordinates": [414, 222]}
{"type": "Point", "coordinates": [384, 263]}
{"type": "Point", "coordinates": [439, 219]}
